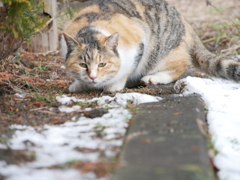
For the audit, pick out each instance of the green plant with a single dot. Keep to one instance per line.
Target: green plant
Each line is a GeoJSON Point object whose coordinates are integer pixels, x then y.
{"type": "Point", "coordinates": [226, 29]}
{"type": "Point", "coordinates": [19, 21]}
{"type": "Point", "coordinates": [22, 18]}
{"type": "Point", "coordinates": [72, 162]}
{"type": "Point", "coordinates": [41, 97]}
{"type": "Point", "coordinates": [42, 68]}
{"type": "Point", "coordinates": [99, 126]}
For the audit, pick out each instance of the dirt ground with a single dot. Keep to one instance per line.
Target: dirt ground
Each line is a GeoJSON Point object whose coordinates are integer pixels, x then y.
{"type": "Point", "coordinates": [29, 83]}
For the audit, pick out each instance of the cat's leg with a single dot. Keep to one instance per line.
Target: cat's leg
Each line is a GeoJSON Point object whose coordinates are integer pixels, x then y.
{"type": "Point", "coordinates": [169, 68]}
{"type": "Point", "coordinates": [165, 76]}
{"type": "Point", "coordinates": [118, 86]}
{"type": "Point", "coordinates": [158, 78]}
{"type": "Point", "coordinates": [76, 86]}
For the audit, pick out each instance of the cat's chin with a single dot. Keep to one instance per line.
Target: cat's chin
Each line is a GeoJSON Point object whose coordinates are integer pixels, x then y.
{"type": "Point", "coordinates": [94, 84]}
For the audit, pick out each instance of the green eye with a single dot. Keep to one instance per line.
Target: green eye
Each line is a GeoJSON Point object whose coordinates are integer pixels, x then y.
{"type": "Point", "coordinates": [83, 65]}
{"type": "Point", "coordinates": [102, 64]}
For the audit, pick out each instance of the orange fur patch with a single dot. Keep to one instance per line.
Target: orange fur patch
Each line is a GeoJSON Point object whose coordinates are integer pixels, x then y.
{"type": "Point", "coordinates": [74, 27]}
{"type": "Point", "coordinates": [188, 38]}
{"type": "Point", "coordinates": [141, 9]}
{"type": "Point", "coordinates": [91, 9]}
{"type": "Point", "coordinates": [120, 24]}
{"type": "Point", "coordinates": [117, 24]}
{"type": "Point", "coordinates": [112, 66]}
{"type": "Point", "coordinates": [176, 62]}
{"type": "Point", "coordinates": [72, 64]}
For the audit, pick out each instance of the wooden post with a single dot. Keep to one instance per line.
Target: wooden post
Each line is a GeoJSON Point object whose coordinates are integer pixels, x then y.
{"type": "Point", "coordinates": [47, 40]}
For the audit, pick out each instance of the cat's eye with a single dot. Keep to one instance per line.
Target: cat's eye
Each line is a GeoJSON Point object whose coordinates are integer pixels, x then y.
{"type": "Point", "coordinates": [102, 64]}
{"type": "Point", "coordinates": [83, 65]}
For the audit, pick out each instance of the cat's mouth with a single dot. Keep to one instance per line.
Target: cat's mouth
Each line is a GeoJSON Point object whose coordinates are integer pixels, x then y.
{"type": "Point", "coordinates": [93, 82]}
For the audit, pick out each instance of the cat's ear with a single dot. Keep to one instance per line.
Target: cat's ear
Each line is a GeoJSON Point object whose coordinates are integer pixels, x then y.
{"type": "Point", "coordinates": [70, 41]}
{"type": "Point", "coordinates": [112, 42]}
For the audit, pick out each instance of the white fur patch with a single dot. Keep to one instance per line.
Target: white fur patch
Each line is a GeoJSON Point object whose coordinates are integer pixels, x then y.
{"type": "Point", "coordinates": [158, 78]}
{"type": "Point", "coordinates": [93, 74]}
{"type": "Point", "coordinates": [75, 87]}
{"type": "Point", "coordinates": [116, 87]}
{"type": "Point", "coordinates": [127, 57]}
{"type": "Point", "coordinates": [103, 31]}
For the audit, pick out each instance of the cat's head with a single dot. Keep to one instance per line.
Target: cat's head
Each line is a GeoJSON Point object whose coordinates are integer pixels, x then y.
{"type": "Point", "coordinates": [92, 58]}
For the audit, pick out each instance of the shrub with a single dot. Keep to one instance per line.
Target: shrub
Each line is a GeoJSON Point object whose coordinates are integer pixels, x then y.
{"type": "Point", "coordinates": [19, 21]}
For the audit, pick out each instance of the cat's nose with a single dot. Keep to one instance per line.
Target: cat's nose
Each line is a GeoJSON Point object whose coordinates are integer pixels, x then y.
{"type": "Point", "coordinates": [93, 77]}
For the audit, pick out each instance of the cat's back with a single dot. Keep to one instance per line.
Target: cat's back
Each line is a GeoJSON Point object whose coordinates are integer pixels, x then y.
{"type": "Point", "coordinates": [151, 13]}
{"type": "Point", "coordinates": [105, 9]}
{"type": "Point", "coordinates": [125, 17]}
{"type": "Point", "coordinates": [100, 10]}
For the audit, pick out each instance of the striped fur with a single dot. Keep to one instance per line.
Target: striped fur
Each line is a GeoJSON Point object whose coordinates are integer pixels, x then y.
{"type": "Point", "coordinates": [111, 42]}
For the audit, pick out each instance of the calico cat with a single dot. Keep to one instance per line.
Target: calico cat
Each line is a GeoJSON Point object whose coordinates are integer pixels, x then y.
{"type": "Point", "coordinates": [111, 42]}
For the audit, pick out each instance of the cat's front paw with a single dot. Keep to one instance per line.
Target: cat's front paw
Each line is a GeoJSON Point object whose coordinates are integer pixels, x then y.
{"type": "Point", "coordinates": [113, 88]}
{"type": "Point", "coordinates": [75, 87]}
{"type": "Point", "coordinates": [150, 79]}
{"type": "Point", "coordinates": [116, 86]}
{"type": "Point", "coordinates": [158, 78]}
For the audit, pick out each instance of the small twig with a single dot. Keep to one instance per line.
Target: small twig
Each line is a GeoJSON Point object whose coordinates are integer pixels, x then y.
{"type": "Point", "coordinates": [209, 40]}
{"type": "Point", "coordinates": [36, 109]}
{"type": "Point", "coordinates": [15, 88]}
{"type": "Point", "coordinates": [210, 4]}
{"type": "Point", "coordinates": [202, 126]}
{"type": "Point", "coordinates": [59, 13]}
{"type": "Point", "coordinates": [49, 112]}
{"type": "Point", "coordinates": [230, 50]}
{"type": "Point", "coordinates": [62, 10]}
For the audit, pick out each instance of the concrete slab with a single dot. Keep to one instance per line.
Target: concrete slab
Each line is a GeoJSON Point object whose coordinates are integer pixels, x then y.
{"type": "Point", "coordinates": [164, 143]}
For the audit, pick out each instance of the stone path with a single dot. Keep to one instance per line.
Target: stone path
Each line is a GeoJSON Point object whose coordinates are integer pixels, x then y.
{"type": "Point", "coordinates": [164, 142]}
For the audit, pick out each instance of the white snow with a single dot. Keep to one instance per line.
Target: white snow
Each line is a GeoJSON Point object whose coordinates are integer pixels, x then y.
{"type": "Point", "coordinates": [55, 145]}
{"type": "Point", "coordinates": [14, 172]}
{"type": "Point", "coordinates": [69, 109]}
{"type": "Point", "coordinates": [20, 95]}
{"type": "Point", "coordinates": [116, 101]}
{"type": "Point", "coordinates": [58, 144]}
{"type": "Point", "coordinates": [222, 99]}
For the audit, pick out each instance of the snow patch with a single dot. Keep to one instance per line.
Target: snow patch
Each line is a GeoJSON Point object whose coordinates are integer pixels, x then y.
{"type": "Point", "coordinates": [14, 172]}
{"type": "Point", "coordinates": [20, 95]}
{"type": "Point", "coordinates": [223, 101]}
{"type": "Point", "coordinates": [69, 109]}
{"type": "Point", "coordinates": [59, 144]}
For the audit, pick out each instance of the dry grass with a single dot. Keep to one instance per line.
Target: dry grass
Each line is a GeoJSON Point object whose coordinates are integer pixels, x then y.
{"type": "Point", "coordinates": [218, 26]}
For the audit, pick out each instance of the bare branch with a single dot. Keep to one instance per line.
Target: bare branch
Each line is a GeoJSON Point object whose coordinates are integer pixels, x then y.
{"type": "Point", "coordinates": [66, 5]}
{"type": "Point", "coordinates": [59, 13]}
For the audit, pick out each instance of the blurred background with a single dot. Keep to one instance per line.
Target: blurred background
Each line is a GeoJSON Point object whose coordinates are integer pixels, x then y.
{"type": "Point", "coordinates": [217, 23]}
